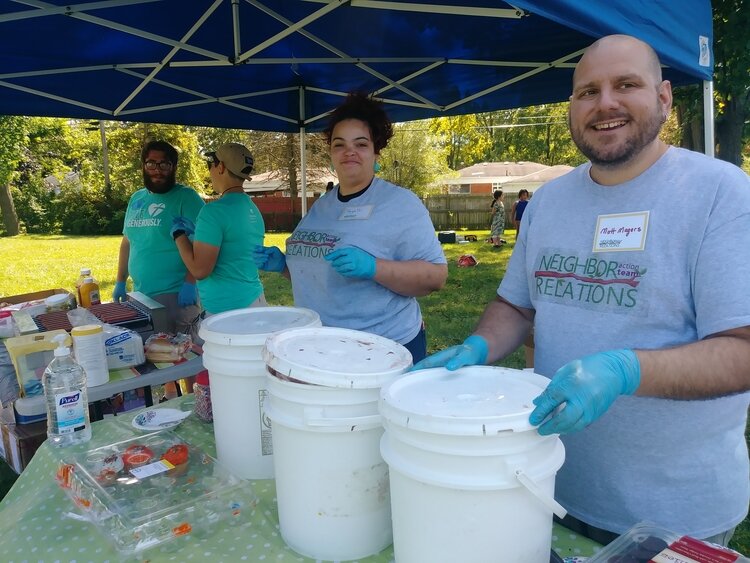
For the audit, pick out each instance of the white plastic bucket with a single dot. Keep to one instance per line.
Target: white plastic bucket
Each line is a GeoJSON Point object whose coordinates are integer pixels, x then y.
{"type": "Point", "coordinates": [471, 479]}
{"type": "Point", "coordinates": [232, 354]}
{"type": "Point", "coordinates": [331, 482]}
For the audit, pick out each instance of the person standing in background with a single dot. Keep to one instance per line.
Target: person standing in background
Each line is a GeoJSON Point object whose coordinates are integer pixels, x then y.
{"type": "Point", "coordinates": [226, 231]}
{"type": "Point", "coordinates": [497, 228]}
{"type": "Point", "coordinates": [640, 311]}
{"type": "Point", "coordinates": [147, 251]}
{"type": "Point", "coordinates": [367, 249]}
{"type": "Point", "coordinates": [519, 206]}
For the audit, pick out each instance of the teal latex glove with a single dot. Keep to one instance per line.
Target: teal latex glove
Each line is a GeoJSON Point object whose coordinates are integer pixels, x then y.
{"type": "Point", "coordinates": [352, 262]}
{"type": "Point", "coordinates": [182, 224]}
{"type": "Point", "coordinates": [120, 294]}
{"type": "Point", "coordinates": [472, 352]}
{"type": "Point", "coordinates": [269, 258]}
{"type": "Point", "coordinates": [588, 387]}
{"type": "Point", "coordinates": [188, 295]}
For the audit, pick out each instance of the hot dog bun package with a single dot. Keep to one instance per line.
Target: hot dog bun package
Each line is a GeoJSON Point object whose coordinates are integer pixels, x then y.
{"type": "Point", "coordinates": [163, 347]}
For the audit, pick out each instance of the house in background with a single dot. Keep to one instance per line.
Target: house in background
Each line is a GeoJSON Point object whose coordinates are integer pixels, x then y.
{"type": "Point", "coordinates": [486, 177]}
{"type": "Point", "coordinates": [276, 182]}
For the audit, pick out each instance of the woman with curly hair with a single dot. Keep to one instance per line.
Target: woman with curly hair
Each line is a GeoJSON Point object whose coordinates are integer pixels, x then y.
{"type": "Point", "coordinates": [367, 249]}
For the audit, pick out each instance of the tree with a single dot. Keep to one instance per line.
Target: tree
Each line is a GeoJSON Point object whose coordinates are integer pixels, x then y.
{"type": "Point", "coordinates": [11, 141]}
{"type": "Point", "coordinates": [532, 134]}
{"type": "Point", "coordinates": [279, 152]}
{"type": "Point", "coordinates": [413, 158]}
{"type": "Point", "coordinates": [463, 138]}
{"type": "Point", "coordinates": [731, 76]}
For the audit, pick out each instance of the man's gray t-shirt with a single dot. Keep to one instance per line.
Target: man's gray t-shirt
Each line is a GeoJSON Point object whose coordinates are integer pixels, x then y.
{"type": "Point", "coordinates": [660, 261]}
{"type": "Point", "coordinates": [387, 221]}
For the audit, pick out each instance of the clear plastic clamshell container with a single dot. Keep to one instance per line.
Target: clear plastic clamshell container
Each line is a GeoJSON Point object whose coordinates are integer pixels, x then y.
{"type": "Point", "coordinates": [646, 543]}
{"type": "Point", "coordinates": [152, 489]}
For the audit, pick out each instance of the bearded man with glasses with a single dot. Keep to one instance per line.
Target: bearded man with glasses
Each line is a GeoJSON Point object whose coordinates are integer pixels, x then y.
{"type": "Point", "coordinates": [147, 252]}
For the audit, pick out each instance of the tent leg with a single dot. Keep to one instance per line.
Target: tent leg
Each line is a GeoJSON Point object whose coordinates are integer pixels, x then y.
{"type": "Point", "coordinates": [302, 151]}
{"type": "Point", "coordinates": [708, 118]}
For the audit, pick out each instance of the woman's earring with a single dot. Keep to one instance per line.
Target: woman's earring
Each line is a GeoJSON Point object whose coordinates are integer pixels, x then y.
{"type": "Point", "coordinates": [376, 167]}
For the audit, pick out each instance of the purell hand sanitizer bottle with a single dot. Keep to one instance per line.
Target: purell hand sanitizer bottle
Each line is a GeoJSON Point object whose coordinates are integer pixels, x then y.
{"type": "Point", "coordinates": [66, 399]}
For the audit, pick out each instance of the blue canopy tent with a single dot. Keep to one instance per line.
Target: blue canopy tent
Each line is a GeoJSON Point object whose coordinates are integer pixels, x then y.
{"type": "Point", "coordinates": [282, 65]}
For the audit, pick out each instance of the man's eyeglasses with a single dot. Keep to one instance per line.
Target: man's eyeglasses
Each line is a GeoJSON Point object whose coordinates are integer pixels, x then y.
{"type": "Point", "coordinates": [211, 160]}
{"type": "Point", "coordinates": [163, 165]}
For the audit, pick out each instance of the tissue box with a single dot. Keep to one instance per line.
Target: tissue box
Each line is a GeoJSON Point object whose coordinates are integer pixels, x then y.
{"type": "Point", "coordinates": [30, 354]}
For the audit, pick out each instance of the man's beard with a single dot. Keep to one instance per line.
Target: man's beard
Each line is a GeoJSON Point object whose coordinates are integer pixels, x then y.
{"type": "Point", "coordinates": [612, 157]}
{"type": "Point", "coordinates": [169, 182]}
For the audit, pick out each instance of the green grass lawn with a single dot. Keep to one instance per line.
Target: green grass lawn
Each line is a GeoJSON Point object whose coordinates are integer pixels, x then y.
{"type": "Point", "coordinates": [35, 262]}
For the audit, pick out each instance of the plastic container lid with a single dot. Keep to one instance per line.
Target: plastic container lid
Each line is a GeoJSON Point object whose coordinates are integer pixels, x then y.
{"type": "Point", "coordinates": [86, 330]}
{"type": "Point", "coordinates": [251, 326]}
{"type": "Point", "coordinates": [471, 401]}
{"type": "Point", "coordinates": [336, 357]}
{"type": "Point", "coordinates": [57, 299]}
{"type": "Point", "coordinates": [88, 280]}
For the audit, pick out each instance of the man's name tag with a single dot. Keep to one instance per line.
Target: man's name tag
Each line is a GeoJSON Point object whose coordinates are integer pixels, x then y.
{"type": "Point", "coordinates": [356, 212]}
{"type": "Point", "coordinates": [621, 232]}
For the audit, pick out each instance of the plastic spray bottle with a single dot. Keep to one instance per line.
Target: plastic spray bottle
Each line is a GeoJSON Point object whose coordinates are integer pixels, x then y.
{"type": "Point", "coordinates": [66, 399]}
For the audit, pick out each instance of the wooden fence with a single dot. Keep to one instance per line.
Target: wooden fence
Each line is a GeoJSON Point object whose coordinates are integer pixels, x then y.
{"type": "Point", "coordinates": [448, 212]}
{"type": "Point", "coordinates": [455, 211]}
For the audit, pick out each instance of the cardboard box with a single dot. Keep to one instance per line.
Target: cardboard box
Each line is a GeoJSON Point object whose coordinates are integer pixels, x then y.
{"type": "Point", "coordinates": [20, 443]}
{"type": "Point", "coordinates": [23, 318]}
{"type": "Point", "coordinates": [34, 296]}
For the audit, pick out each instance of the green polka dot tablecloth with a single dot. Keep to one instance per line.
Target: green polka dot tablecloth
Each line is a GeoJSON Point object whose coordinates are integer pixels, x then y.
{"type": "Point", "coordinates": [35, 525]}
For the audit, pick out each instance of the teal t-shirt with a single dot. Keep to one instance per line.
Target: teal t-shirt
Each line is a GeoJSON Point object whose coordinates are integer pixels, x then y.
{"type": "Point", "coordinates": [155, 264]}
{"type": "Point", "coordinates": [234, 224]}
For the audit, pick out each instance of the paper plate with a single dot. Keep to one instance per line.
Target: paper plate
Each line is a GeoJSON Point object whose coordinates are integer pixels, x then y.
{"type": "Point", "coordinates": [159, 419]}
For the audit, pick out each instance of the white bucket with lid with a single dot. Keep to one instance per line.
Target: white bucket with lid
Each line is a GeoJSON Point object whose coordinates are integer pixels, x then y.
{"type": "Point", "coordinates": [471, 479]}
{"type": "Point", "coordinates": [331, 482]}
{"type": "Point", "coordinates": [232, 354]}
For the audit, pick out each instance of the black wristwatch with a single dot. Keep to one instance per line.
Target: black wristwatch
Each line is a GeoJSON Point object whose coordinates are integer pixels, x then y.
{"type": "Point", "coordinates": [177, 234]}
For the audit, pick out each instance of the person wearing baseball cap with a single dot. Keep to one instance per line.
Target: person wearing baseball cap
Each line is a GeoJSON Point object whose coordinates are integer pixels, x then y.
{"type": "Point", "coordinates": [220, 255]}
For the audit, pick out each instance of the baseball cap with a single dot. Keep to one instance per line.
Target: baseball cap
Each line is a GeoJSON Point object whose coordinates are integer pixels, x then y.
{"type": "Point", "coordinates": [236, 158]}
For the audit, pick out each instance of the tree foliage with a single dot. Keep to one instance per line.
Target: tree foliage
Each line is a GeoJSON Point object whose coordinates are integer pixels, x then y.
{"type": "Point", "coordinates": [732, 77]}
{"type": "Point", "coordinates": [531, 134]}
{"type": "Point", "coordinates": [12, 136]}
{"type": "Point", "coordinates": [413, 158]}
{"type": "Point", "coordinates": [464, 141]}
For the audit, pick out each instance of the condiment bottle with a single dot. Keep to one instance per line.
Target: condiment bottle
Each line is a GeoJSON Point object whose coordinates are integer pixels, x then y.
{"type": "Point", "coordinates": [89, 293]}
{"type": "Point", "coordinates": [85, 273]}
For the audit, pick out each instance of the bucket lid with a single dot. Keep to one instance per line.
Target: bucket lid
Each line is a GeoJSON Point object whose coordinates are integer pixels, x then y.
{"type": "Point", "coordinates": [336, 357]}
{"type": "Point", "coordinates": [251, 326]}
{"type": "Point", "coordinates": [471, 401]}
